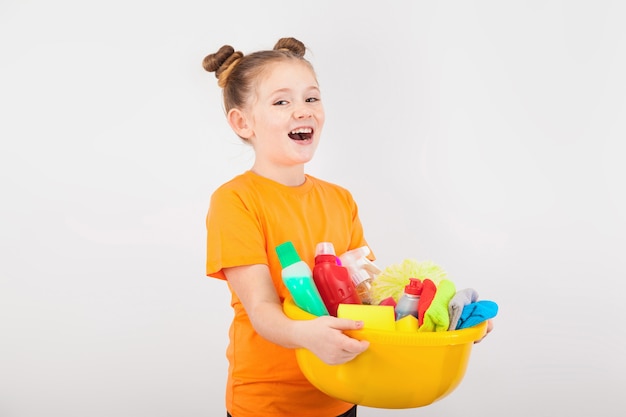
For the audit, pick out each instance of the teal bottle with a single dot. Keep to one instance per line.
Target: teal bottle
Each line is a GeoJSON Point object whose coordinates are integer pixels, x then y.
{"type": "Point", "coordinates": [298, 278]}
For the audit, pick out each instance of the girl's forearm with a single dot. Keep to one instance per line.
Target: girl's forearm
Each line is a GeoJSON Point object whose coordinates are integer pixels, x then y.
{"type": "Point", "coordinates": [269, 321]}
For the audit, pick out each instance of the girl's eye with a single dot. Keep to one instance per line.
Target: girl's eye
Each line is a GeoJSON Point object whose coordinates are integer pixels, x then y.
{"type": "Point", "coordinates": [312, 99]}
{"type": "Point", "coordinates": [280, 103]}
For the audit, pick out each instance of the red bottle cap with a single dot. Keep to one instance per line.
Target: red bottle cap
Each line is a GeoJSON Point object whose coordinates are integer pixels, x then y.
{"type": "Point", "coordinates": [414, 287]}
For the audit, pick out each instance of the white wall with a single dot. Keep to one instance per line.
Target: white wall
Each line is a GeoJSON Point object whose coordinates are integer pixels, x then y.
{"type": "Point", "coordinates": [486, 136]}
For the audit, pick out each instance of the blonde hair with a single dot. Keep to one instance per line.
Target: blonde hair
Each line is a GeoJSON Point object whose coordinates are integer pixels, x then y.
{"type": "Point", "coordinates": [236, 72]}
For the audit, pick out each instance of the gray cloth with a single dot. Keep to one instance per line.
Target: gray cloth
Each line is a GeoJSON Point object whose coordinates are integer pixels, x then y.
{"type": "Point", "coordinates": [460, 300]}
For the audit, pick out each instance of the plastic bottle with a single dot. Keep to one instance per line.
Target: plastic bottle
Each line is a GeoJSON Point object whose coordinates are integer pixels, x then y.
{"type": "Point", "coordinates": [298, 278]}
{"type": "Point", "coordinates": [362, 283]}
{"type": "Point", "coordinates": [407, 304]}
{"type": "Point", "coordinates": [333, 281]}
{"type": "Point", "coordinates": [358, 258]}
{"type": "Point", "coordinates": [362, 271]}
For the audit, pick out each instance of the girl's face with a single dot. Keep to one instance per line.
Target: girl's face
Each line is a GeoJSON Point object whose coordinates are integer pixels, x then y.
{"type": "Point", "coordinates": [285, 116]}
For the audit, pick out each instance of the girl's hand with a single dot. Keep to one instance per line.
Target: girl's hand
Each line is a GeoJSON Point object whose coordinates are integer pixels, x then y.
{"type": "Point", "coordinates": [325, 338]}
{"type": "Point", "coordinates": [323, 335]}
{"type": "Point", "coordinates": [489, 329]}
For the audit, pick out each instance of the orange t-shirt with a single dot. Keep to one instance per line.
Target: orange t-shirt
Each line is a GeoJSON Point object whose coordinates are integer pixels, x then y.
{"type": "Point", "coordinates": [248, 217]}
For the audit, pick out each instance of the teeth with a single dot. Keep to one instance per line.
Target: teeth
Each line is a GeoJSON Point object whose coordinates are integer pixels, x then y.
{"type": "Point", "coordinates": [302, 130]}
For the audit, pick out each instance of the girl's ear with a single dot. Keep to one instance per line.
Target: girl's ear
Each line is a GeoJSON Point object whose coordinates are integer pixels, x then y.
{"type": "Point", "coordinates": [239, 123]}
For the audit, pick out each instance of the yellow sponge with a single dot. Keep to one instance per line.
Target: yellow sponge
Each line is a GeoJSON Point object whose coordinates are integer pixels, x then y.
{"type": "Point", "coordinates": [407, 323]}
{"type": "Point", "coordinates": [373, 316]}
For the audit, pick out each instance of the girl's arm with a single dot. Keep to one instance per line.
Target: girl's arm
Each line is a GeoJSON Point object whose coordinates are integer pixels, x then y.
{"type": "Point", "coordinates": [323, 335]}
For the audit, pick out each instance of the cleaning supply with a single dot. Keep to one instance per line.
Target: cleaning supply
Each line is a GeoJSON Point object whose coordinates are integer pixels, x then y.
{"type": "Point", "coordinates": [436, 318]}
{"type": "Point", "coordinates": [459, 301]}
{"type": "Point", "coordinates": [373, 317]}
{"type": "Point", "coordinates": [408, 302]}
{"type": "Point", "coordinates": [429, 289]}
{"type": "Point", "coordinates": [362, 271]}
{"type": "Point", "coordinates": [407, 324]}
{"type": "Point", "coordinates": [389, 301]}
{"type": "Point", "coordinates": [333, 281]}
{"type": "Point", "coordinates": [363, 284]}
{"type": "Point", "coordinates": [475, 313]}
{"type": "Point", "coordinates": [399, 369]}
{"type": "Point", "coordinates": [298, 278]}
{"type": "Point", "coordinates": [392, 279]}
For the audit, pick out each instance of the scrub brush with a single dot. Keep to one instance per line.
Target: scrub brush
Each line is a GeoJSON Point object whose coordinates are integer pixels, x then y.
{"type": "Point", "coordinates": [392, 279]}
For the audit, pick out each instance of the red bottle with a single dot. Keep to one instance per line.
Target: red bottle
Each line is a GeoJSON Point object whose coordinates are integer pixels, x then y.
{"type": "Point", "coordinates": [332, 280]}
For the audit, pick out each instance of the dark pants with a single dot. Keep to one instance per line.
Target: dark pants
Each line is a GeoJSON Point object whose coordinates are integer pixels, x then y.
{"type": "Point", "coordinates": [350, 413]}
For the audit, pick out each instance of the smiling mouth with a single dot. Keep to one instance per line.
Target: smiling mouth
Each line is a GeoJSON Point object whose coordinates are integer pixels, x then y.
{"type": "Point", "coordinates": [303, 133]}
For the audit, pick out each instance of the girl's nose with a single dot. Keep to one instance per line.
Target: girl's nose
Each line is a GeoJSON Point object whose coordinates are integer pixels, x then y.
{"type": "Point", "coordinates": [303, 113]}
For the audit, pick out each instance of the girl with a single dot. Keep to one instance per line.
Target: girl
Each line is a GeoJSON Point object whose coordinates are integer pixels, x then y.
{"type": "Point", "coordinates": [272, 102]}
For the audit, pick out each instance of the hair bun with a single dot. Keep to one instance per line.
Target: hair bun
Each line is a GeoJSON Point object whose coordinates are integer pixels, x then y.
{"type": "Point", "coordinates": [292, 45]}
{"type": "Point", "coordinates": [221, 60]}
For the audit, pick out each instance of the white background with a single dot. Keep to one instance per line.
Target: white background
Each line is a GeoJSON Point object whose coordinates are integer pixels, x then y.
{"type": "Point", "coordinates": [486, 136]}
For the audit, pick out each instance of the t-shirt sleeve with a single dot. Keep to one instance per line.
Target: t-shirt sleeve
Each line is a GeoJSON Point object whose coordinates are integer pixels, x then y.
{"type": "Point", "coordinates": [234, 234]}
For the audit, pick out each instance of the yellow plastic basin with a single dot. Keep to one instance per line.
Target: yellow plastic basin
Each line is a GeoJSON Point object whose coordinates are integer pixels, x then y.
{"type": "Point", "coordinates": [398, 370]}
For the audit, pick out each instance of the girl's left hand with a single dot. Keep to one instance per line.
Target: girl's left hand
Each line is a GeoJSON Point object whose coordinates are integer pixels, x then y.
{"type": "Point", "coordinates": [489, 329]}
